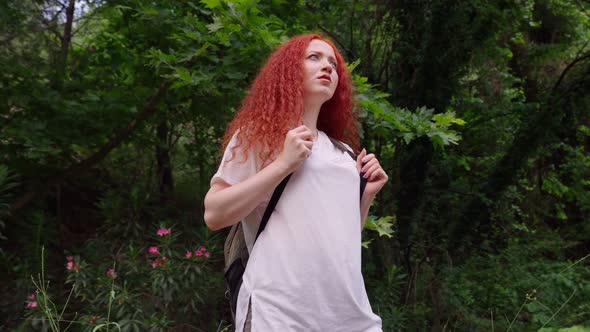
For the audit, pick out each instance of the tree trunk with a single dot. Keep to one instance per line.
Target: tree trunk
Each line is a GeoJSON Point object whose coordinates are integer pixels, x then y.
{"type": "Point", "coordinates": [164, 167]}
{"type": "Point", "coordinates": [66, 39]}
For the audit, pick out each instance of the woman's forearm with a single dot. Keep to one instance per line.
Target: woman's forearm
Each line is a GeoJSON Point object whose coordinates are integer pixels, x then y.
{"type": "Point", "coordinates": [225, 206]}
{"type": "Point", "coordinates": [366, 201]}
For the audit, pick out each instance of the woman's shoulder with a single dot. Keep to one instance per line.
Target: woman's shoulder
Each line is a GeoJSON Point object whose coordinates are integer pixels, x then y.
{"type": "Point", "coordinates": [337, 144]}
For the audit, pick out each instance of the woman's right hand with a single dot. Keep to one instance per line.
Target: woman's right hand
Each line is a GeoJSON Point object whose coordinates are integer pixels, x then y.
{"type": "Point", "coordinates": [226, 204]}
{"type": "Point", "coordinates": [296, 149]}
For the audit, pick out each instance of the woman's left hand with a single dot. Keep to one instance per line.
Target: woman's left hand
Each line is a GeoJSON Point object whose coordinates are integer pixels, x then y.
{"type": "Point", "coordinates": [375, 175]}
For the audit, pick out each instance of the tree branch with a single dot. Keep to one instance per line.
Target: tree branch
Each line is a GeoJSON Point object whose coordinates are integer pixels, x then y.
{"type": "Point", "coordinates": [337, 41]}
{"type": "Point", "coordinates": [568, 68]}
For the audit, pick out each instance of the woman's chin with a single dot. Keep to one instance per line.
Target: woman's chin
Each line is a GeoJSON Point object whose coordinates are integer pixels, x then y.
{"type": "Point", "coordinates": [321, 95]}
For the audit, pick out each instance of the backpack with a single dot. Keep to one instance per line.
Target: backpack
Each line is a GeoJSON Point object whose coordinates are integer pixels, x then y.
{"type": "Point", "coordinates": [235, 250]}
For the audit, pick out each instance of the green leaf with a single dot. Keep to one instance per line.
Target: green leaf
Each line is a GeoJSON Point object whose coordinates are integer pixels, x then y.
{"type": "Point", "coordinates": [382, 225]}
{"type": "Point", "coordinates": [211, 4]}
{"type": "Point", "coordinates": [353, 65]}
{"type": "Point", "coordinates": [149, 11]}
{"type": "Point", "coordinates": [184, 74]}
{"type": "Point", "coordinates": [460, 122]}
{"type": "Point", "coordinates": [443, 119]}
{"type": "Point", "coordinates": [560, 212]}
{"type": "Point", "coordinates": [216, 25]}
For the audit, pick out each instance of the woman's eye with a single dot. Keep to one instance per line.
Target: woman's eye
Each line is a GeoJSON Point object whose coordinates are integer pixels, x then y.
{"type": "Point", "coordinates": [313, 56]}
{"type": "Point", "coordinates": [334, 64]}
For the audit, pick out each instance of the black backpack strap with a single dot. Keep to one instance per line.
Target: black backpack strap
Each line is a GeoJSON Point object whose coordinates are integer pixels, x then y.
{"type": "Point", "coordinates": [271, 205]}
{"type": "Point", "coordinates": [343, 148]}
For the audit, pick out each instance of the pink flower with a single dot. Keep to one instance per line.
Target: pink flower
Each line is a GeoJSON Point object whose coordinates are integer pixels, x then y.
{"type": "Point", "coordinates": [32, 304]}
{"type": "Point", "coordinates": [207, 254]}
{"type": "Point", "coordinates": [198, 253]}
{"type": "Point", "coordinates": [111, 274]}
{"type": "Point", "coordinates": [71, 265]}
{"type": "Point", "coordinates": [203, 248]}
{"type": "Point", "coordinates": [32, 296]}
{"type": "Point", "coordinates": [155, 264]}
{"type": "Point", "coordinates": [153, 250]}
{"type": "Point", "coordinates": [164, 258]}
{"type": "Point", "coordinates": [164, 231]}
{"type": "Point", "coordinates": [188, 254]}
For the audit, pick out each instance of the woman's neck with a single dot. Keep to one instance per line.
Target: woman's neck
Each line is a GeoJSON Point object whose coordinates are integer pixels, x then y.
{"type": "Point", "coordinates": [311, 113]}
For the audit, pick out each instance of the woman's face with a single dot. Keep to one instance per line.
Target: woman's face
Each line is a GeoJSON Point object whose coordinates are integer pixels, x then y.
{"type": "Point", "coordinates": [320, 78]}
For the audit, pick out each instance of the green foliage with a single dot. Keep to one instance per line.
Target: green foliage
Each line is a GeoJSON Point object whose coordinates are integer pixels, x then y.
{"type": "Point", "coordinates": [394, 123]}
{"type": "Point", "coordinates": [475, 80]}
{"type": "Point", "coordinates": [576, 328]}
{"type": "Point", "coordinates": [382, 225]}
{"type": "Point", "coordinates": [548, 293]}
{"type": "Point", "coordinates": [386, 298]}
{"type": "Point", "coordinates": [569, 182]}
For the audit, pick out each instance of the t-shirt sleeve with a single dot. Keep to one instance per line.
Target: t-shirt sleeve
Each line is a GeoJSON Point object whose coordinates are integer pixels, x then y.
{"type": "Point", "coordinates": [237, 169]}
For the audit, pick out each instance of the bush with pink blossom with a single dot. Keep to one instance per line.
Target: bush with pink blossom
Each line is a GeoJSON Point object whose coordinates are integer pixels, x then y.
{"type": "Point", "coordinates": [155, 286]}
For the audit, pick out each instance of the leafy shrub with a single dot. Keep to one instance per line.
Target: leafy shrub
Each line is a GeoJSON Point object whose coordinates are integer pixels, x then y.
{"type": "Point", "coordinates": [519, 287]}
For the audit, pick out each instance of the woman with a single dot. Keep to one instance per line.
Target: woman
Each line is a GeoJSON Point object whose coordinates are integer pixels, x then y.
{"type": "Point", "coordinates": [304, 272]}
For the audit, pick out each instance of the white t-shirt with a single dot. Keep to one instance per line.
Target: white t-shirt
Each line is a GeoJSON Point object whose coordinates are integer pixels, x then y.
{"type": "Point", "coordinates": [304, 273]}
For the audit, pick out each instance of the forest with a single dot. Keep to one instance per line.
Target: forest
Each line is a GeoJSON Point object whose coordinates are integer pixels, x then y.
{"type": "Point", "coordinates": [112, 115]}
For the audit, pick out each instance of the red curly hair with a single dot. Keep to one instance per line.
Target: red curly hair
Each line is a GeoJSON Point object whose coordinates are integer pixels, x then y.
{"type": "Point", "coordinates": [275, 103]}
